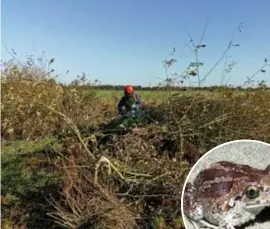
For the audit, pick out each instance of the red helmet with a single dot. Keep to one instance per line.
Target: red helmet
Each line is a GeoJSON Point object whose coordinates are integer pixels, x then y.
{"type": "Point", "coordinates": [129, 89]}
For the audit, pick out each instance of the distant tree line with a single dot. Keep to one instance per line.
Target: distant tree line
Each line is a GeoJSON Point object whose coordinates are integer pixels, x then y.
{"type": "Point", "coordinates": [159, 88]}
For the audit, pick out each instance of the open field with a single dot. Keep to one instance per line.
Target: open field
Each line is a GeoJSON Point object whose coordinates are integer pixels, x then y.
{"type": "Point", "coordinates": [151, 96]}
{"type": "Point", "coordinates": [52, 175]}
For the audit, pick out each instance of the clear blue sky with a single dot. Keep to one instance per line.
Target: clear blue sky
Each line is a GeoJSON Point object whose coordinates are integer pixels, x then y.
{"type": "Point", "coordinates": [125, 41]}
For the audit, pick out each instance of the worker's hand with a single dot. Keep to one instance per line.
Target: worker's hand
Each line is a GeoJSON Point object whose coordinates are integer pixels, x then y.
{"type": "Point", "coordinates": [130, 113]}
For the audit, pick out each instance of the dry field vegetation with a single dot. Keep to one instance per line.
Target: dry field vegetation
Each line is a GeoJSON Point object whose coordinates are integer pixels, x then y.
{"type": "Point", "coordinates": [60, 171]}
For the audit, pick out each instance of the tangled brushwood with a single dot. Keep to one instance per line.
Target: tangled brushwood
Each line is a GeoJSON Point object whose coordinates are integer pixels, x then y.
{"type": "Point", "coordinates": [84, 204]}
{"type": "Point", "coordinates": [110, 180]}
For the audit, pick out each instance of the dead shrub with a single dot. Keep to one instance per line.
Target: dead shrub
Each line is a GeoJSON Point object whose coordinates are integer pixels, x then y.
{"type": "Point", "coordinates": [211, 121]}
{"type": "Point", "coordinates": [87, 205]}
{"type": "Point", "coordinates": [27, 91]}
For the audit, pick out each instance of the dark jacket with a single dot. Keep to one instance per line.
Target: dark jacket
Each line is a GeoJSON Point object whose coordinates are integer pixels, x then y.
{"type": "Point", "coordinates": [127, 101]}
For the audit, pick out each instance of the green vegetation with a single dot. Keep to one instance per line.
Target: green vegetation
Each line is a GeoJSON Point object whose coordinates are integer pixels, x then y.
{"type": "Point", "coordinates": [59, 170]}
{"type": "Point", "coordinates": [26, 176]}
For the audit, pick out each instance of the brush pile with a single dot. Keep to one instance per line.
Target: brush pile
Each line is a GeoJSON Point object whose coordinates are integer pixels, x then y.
{"type": "Point", "coordinates": [131, 180]}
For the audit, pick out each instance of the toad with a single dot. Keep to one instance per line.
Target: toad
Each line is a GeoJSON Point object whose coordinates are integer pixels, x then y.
{"type": "Point", "coordinates": [227, 195]}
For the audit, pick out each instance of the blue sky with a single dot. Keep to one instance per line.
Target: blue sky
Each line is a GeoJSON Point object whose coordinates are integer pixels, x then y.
{"type": "Point", "coordinates": [125, 41]}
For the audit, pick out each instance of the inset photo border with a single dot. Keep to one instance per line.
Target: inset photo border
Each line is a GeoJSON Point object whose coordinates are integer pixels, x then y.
{"type": "Point", "coordinates": [229, 187]}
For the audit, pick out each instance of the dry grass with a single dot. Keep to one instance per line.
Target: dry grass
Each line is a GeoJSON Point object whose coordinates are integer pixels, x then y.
{"type": "Point", "coordinates": [87, 205]}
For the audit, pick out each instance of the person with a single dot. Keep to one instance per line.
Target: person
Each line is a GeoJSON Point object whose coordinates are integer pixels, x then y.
{"type": "Point", "coordinates": [130, 101]}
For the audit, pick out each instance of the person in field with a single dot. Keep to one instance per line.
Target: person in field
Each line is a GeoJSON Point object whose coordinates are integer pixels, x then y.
{"type": "Point", "coordinates": [129, 109]}
{"type": "Point", "coordinates": [131, 101]}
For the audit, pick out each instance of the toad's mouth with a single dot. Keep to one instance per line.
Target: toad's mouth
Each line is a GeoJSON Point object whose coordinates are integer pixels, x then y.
{"type": "Point", "coordinates": [257, 205]}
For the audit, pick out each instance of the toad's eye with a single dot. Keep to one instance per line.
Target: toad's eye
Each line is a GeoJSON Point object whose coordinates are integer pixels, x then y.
{"type": "Point", "coordinates": [252, 191]}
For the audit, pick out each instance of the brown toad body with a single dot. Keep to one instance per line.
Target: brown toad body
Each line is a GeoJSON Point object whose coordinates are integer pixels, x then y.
{"type": "Point", "coordinates": [226, 195]}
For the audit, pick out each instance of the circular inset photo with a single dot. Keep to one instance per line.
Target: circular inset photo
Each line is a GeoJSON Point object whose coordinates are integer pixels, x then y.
{"type": "Point", "coordinates": [229, 188]}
